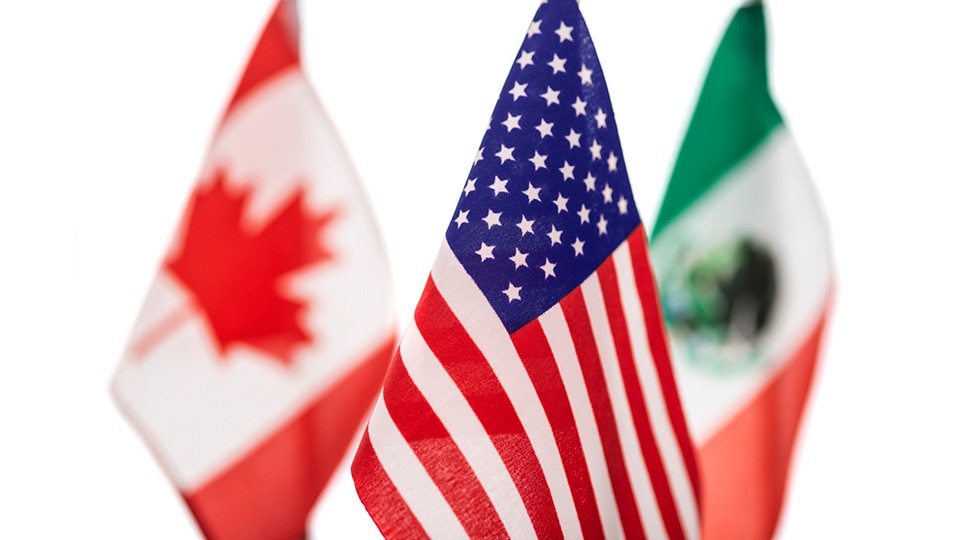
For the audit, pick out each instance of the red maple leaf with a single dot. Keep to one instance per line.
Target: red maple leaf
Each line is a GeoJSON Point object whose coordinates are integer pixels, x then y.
{"type": "Point", "coordinates": [235, 273]}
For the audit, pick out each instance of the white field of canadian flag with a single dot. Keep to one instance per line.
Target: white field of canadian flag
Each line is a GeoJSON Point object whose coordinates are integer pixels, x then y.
{"type": "Point", "coordinates": [250, 422]}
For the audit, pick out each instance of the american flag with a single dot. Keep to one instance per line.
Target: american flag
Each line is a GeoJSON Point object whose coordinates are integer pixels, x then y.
{"type": "Point", "coordinates": [533, 395]}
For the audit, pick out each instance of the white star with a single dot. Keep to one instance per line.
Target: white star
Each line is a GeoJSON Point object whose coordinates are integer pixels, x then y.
{"type": "Point", "coordinates": [519, 259]}
{"type": "Point", "coordinates": [584, 214]}
{"type": "Point", "coordinates": [595, 149]}
{"type": "Point", "coordinates": [554, 235]}
{"type": "Point", "coordinates": [493, 218]}
{"type": "Point", "coordinates": [590, 181]}
{"type": "Point", "coordinates": [607, 193]}
{"type": "Point", "coordinates": [545, 128]}
{"type": "Point", "coordinates": [518, 91]}
{"type": "Point", "coordinates": [567, 171]}
{"type": "Point", "coordinates": [558, 64]}
{"type": "Point", "coordinates": [548, 269]}
{"type": "Point", "coordinates": [525, 225]}
{"type": "Point", "coordinates": [601, 118]}
{"type": "Point", "coordinates": [526, 59]}
{"type": "Point", "coordinates": [532, 193]}
{"type": "Point", "coordinates": [602, 225]}
{"type": "Point", "coordinates": [577, 247]}
{"type": "Point", "coordinates": [612, 162]}
{"type": "Point", "coordinates": [512, 122]}
{"type": "Point", "coordinates": [564, 32]}
{"type": "Point", "coordinates": [552, 96]}
{"type": "Point", "coordinates": [622, 204]}
{"type": "Point", "coordinates": [585, 75]}
{"type": "Point", "coordinates": [512, 292]}
{"type": "Point", "coordinates": [580, 106]}
{"type": "Point", "coordinates": [498, 186]}
{"type": "Point", "coordinates": [534, 29]}
{"type": "Point", "coordinates": [573, 138]}
{"type": "Point", "coordinates": [462, 218]}
{"type": "Point", "coordinates": [505, 154]}
{"type": "Point", "coordinates": [479, 155]}
{"type": "Point", "coordinates": [471, 186]}
{"type": "Point", "coordinates": [539, 161]}
{"type": "Point", "coordinates": [561, 203]}
{"type": "Point", "coordinates": [485, 252]}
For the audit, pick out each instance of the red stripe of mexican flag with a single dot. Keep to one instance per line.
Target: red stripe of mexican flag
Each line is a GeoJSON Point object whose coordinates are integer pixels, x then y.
{"type": "Point", "coordinates": [742, 255]}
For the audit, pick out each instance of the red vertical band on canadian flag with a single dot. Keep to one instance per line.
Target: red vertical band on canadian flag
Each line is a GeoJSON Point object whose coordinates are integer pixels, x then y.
{"type": "Point", "coordinates": [278, 49]}
{"type": "Point", "coordinates": [296, 462]}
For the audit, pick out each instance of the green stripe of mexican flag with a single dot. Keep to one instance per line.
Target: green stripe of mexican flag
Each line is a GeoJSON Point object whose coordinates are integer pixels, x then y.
{"type": "Point", "coordinates": [742, 255]}
{"type": "Point", "coordinates": [734, 115]}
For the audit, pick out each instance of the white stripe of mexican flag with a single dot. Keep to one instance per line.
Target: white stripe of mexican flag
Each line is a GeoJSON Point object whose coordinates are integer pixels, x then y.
{"type": "Point", "coordinates": [742, 255]}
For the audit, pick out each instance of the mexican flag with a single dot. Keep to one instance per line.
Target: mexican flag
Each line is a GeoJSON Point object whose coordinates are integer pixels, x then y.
{"type": "Point", "coordinates": [742, 255]}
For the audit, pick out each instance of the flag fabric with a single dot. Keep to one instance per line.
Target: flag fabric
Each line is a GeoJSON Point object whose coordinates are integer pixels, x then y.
{"type": "Point", "coordinates": [264, 338]}
{"type": "Point", "coordinates": [532, 395]}
{"type": "Point", "coordinates": [742, 254]}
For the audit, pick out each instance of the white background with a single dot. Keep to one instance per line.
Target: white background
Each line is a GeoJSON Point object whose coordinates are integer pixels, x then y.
{"type": "Point", "coordinates": [107, 108]}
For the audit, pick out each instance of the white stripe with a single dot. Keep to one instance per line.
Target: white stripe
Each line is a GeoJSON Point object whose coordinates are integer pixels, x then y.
{"type": "Point", "coordinates": [558, 337]}
{"type": "Point", "coordinates": [768, 197]}
{"type": "Point", "coordinates": [629, 443]}
{"type": "Point", "coordinates": [466, 431]}
{"type": "Point", "coordinates": [484, 326]}
{"type": "Point", "coordinates": [663, 432]}
{"type": "Point", "coordinates": [410, 478]}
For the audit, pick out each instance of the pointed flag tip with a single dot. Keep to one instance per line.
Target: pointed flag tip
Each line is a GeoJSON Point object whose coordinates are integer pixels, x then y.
{"type": "Point", "coordinates": [277, 49]}
{"type": "Point", "coordinates": [734, 112]}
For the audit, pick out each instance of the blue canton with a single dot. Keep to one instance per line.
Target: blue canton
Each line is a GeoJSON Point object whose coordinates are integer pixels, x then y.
{"type": "Point", "coordinates": [547, 199]}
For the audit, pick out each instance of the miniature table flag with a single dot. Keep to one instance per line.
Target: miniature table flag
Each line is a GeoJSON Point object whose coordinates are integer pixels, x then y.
{"type": "Point", "coordinates": [264, 338]}
{"type": "Point", "coordinates": [532, 395]}
{"type": "Point", "coordinates": [742, 254]}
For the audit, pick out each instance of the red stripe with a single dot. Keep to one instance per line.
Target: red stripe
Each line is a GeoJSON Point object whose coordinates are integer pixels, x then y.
{"type": "Point", "coordinates": [277, 49]}
{"type": "Point", "coordinates": [269, 492]}
{"type": "Point", "coordinates": [607, 275]}
{"type": "Point", "coordinates": [745, 465]}
{"type": "Point", "coordinates": [468, 368]}
{"type": "Point", "coordinates": [381, 498]}
{"type": "Point", "coordinates": [657, 339]}
{"type": "Point", "coordinates": [575, 312]}
{"type": "Point", "coordinates": [440, 456]}
{"type": "Point", "coordinates": [538, 359]}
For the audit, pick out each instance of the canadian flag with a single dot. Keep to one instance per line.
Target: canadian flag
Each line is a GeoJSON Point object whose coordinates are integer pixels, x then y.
{"type": "Point", "coordinates": [265, 336]}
